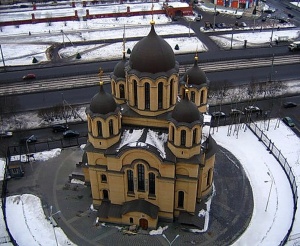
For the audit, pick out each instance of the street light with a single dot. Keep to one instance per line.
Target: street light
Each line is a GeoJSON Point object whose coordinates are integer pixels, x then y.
{"type": "Point", "coordinates": [53, 223]}
{"type": "Point", "coordinates": [170, 243]}
{"type": "Point", "coordinates": [269, 191]}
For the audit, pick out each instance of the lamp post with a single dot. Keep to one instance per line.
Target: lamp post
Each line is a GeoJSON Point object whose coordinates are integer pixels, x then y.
{"type": "Point", "coordinates": [53, 223]}
{"type": "Point", "coordinates": [170, 243]}
{"type": "Point", "coordinates": [269, 191]}
{"type": "Point", "coordinates": [214, 18]}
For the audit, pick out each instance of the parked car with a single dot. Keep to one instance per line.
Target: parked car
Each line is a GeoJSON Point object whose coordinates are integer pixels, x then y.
{"type": "Point", "coordinates": [264, 18]}
{"type": "Point", "coordinates": [243, 24]}
{"type": "Point", "coordinates": [198, 17]}
{"type": "Point", "coordinates": [218, 114]}
{"type": "Point", "coordinates": [238, 16]}
{"type": "Point", "coordinates": [60, 128]}
{"type": "Point", "coordinates": [270, 10]}
{"type": "Point", "coordinates": [70, 134]}
{"type": "Point", "coordinates": [288, 121]}
{"type": "Point", "coordinates": [289, 105]}
{"type": "Point", "coordinates": [291, 15]}
{"type": "Point", "coordinates": [29, 76]}
{"type": "Point", "coordinates": [31, 139]}
{"type": "Point", "coordinates": [5, 134]}
{"type": "Point", "coordinates": [234, 112]}
{"type": "Point", "coordinates": [252, 109]}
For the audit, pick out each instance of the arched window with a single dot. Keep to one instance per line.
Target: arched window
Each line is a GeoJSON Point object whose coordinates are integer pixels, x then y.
{"type": "Point", "coordinates": [147, 96]}
{"type": "Point", "coordinates": [131, 220]}
{"type": "Point", "coordinates": [209, 177]}
{"type": "Point", "coordinates": [105, 195]}
{"type": "Point", "coordinates": [99, 127]}
{"type": "Point", "coordinates": [195, 136]}
{"type": "Point", "coordinates": [180, 199]}
{"type": "Point", "coordinates": [130, 181]}
{"type": "Point", "coordinates": [160, 95]}
{"type": "Point", "coordinates": [141, 177]}
{"type": "Point", "coordinates": [111, 127]}
{"type": "Point", "coordinates": [103, 178]}
{"type": "Point", "coordinates": [193, 95]}
{"type": "Point", "coordinates": [171, 133]}
{"type": "Point", "coordinates": [122, 91]}
{"type": "Point", "coordinates": [171, 92]}
{"type": "Point", "coordinates": [152, 183]}
{"type": "Point", "coordinates": [183, 137]}
{"type": "Point", "coordinates": [202, 97]}
{"type": "Point", "coordinates": [135, 93]}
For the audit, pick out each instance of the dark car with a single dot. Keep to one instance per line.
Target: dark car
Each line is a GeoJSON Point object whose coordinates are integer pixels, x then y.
{"type": "Point", "coordinates": [264, 18]}
{"type": "Point", "coordinates": [235, 112]}
{"type": "Point", "coordinates": [291, 15]}
{"type": "Point", "coordinates": [29, 76]}
{"type": "Point", "coordinates": [288, 121]}
{"type": "Point", "coordinates": [252, 109]}
{"type": "Point", "coordinates": [218, 114]}
{"type": "Point", "coordinates": [31, 139]}
{"type": "Point", "coordinates": [70, 134]}
{"type": "Point", "coordinates": [60, 128]}
{"type": "Point", "coordinates": [289, 105]}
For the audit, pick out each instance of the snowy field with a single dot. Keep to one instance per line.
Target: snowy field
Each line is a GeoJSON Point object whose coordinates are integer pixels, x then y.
{"type": "Point", "coordinates": [19, 48]}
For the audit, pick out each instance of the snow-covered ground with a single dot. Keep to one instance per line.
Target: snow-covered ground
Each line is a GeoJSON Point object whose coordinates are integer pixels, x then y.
{"type": "Point", "coordinates": [273, 202]}
{"type": "Point", "coordinates": [273, 205]}
{"type": "Point", "coordinates": [19, 48]}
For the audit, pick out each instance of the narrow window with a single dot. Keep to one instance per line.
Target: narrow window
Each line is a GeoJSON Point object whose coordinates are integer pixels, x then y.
{"type": "Point", "coordinates": [105, 195]}
{"type": "Point", "coordinates": [130, 180]}
{"type": "Point", "coordinates": [183, 137]}
{"type": "Point", "coordinates": [103, 178]}
{"type": "Point", "coordinates": [180, 199]}
{"type": "Point", "coordinates": [152, 183]}
{"type": "Point", "coordinates": [122, 91]}
{"type": "Point", "coordinates": [195, 136]}
{"type": "Point", "coordinates": [131, 220]}
{"type": "Point", "coordinates": [147, 96]}
{"type": "Point", "coordinates": [141, 177]}
{"type": "Point", "coordinates": [209, 177]}
{"type": "Point", "coordinates": [99, 126]}
{"type": "Point", "coordinates": [171, 92]}
{"type": "Point", "coordinates": [193, 95]}
{"type": "Point", "coordinates": [202, 97]}
{"type": "Point", "coordinates": [135, 93]}
{"type": "Point", "coordinates": [111, 127]}
{"type": "Point", "coordinates": [160, 95]}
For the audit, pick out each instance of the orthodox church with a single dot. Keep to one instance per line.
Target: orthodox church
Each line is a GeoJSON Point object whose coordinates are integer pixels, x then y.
{"type": "Point", "coordinates": [149, 153]}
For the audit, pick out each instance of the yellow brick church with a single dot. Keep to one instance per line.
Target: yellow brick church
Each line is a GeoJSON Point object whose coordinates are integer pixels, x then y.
{"type": "Point", "coordinates": [149, 153]}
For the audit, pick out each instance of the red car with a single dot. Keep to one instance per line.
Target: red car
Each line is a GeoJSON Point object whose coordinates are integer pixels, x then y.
{"type": "Point", "coordinates": [29, 76]}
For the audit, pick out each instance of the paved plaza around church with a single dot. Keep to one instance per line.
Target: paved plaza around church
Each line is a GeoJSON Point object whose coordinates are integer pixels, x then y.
{"type": "Point", "coordinates": [230, 212]}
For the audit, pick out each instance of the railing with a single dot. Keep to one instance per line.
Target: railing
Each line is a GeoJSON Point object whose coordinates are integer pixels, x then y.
{"type": "Point", "coordinates": [284, 164]}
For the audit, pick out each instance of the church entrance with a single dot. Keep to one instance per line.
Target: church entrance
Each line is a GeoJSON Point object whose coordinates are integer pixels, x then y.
{"type": "Point", "coordinates": [144, 224]}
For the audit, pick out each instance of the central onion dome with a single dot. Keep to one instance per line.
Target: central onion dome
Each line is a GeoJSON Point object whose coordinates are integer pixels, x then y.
{"type": "Point", "coordinates": [152, 54]}
{"type": "Point", "coordinates": [186, 111]}
{"type": "Point", "coordinates": [102, 102]}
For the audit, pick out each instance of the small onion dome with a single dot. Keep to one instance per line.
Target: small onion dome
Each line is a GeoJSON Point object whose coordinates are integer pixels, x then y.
{"type": "Point", "coordinates": [152, 54]}
{"type": "Point", "coordinates": [102, 102]}
{"type": "Point", "coordinates": [186, 111]}
{"type": "Point", "coordinates": [195, 74]}
{"type": "Point", "coordinates": [119, 70]}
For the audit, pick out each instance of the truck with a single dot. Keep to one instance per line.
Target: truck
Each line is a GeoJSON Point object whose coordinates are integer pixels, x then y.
{"type": "Point", "coordinates": [294, 46]}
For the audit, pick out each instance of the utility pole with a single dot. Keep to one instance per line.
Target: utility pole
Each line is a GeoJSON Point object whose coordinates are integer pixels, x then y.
{"type": "Point", "coordinates": [2, 57]}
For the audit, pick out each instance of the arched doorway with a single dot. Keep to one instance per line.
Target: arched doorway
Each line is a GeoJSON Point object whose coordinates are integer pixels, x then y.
{"type": "Point", "coordinates": [144, 224]}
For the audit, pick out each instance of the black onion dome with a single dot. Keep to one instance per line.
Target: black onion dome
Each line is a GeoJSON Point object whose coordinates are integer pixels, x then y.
{"type": "Point", "coordinates": [186, 111]}
{"type": "Point", "coordinates": [152, 54]}
{"type": "Point", "coordinates": [195, 75]}
{"type": "Point", "coordinates": [102, 102]}
{"type": "Point", "coordinates": [119, 70]}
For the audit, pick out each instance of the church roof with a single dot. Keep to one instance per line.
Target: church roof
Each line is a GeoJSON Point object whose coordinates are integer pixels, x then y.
{"type": "Point", "coordinates": [152, 54]}
{"type": "Point", "coordinates": [186, 112]}
{"type": "Point", "coordinates": [103, 102]}
{"type": "Point", "coordinates": [195, 75]}
{"type": "Point", "coordinates": [119, 70]}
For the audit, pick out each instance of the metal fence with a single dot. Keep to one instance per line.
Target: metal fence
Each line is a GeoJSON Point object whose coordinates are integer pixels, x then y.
{"type": "Point", "coordinates": [284, 164]}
